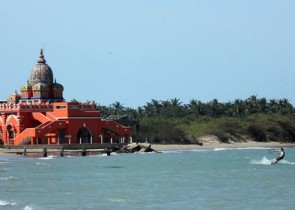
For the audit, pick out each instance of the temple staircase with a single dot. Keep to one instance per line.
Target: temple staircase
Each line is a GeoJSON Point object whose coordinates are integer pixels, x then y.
{"type": "Point", "coordinates": [116, 127]}
{"type": "Point", "coordinates": [48, 125]}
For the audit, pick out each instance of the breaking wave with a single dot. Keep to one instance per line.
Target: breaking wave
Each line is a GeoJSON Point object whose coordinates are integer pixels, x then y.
{"type": "Point", "coordinates": [28, 208]}
{"type": "Point", "coordinates": [7, 203]}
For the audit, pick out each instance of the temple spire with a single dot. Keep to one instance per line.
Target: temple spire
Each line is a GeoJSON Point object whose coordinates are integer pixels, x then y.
{"type": "Point", "coordinates": [41, 57]}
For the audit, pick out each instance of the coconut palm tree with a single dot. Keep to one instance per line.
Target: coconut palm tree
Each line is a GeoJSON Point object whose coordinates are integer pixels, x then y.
{"type": "Point", "coordinates": [176, 107]}
{"type": "Point", "coordinates": [117, 108]}
{"type": "Point", "coordinates": [156, 106]}
{"type": "Point", "coordinates": [194, 107]}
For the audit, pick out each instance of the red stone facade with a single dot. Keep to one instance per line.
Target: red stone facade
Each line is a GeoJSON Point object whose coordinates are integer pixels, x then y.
{"type": "Point", "coordinates": [41, 116]}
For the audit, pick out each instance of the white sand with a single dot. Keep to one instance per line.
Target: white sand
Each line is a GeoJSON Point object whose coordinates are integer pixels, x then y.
{"type": "Point", "coordinates": [206, 145]}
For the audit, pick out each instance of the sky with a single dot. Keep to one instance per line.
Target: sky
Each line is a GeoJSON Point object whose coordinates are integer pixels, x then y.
{"type": "Point", "coordinates": [133, 51]}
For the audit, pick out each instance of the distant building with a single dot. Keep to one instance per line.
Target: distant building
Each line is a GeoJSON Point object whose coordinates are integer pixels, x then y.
{"type": "Point", "coordinates": [39, 115]}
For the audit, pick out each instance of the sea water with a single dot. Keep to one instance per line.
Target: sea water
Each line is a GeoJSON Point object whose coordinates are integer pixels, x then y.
{"type": "Point", "coordinates": [188, 179]}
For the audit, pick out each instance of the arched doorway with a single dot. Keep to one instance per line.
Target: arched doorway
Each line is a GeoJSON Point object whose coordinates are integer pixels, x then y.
{"type": "Point", "coordinates": [10, 134]}
{"type": "Point", "coordinates": [84, 136]}
{"type": "Point", "coordinates": [10, 131]}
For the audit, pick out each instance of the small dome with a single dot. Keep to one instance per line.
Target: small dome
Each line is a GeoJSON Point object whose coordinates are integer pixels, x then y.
{"type": "Point", "coordinates": [14, 98]}
{"type": "Point", "coordinates": [57, 86]}
{"type": "Point", "coordinates": [41, 72]}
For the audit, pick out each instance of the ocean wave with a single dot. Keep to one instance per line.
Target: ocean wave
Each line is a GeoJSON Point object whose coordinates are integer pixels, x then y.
{"type": "Point", "coordinates": [41, 164]}
{"type": "Point", "coordinates": [190, 150]}
{"type": "Point", "coordinates": [121, 200]}
{"type": "Point", "coordinates": [221, 149]}
{"type": "Point", "coordinates": [104, 154]}
{"type": "Point", "coordinates": [28, 208]}
{"type": "Point", "coordinates": [239, 148]}
{"type": "Point", "coordinates": [8, 178]}
{"type": "Point", "coordinates": [7, 203]}
{"type": "Point", "coordinates": [48, 158]}
{"type": "Point", "coordinates": [171, 151]}
{"type": "Point", "coordinates": [287, 162]}
{"type": "Point", "coordinates": [256, 148]}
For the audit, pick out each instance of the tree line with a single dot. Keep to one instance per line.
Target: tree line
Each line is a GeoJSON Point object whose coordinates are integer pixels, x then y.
{"type": "Point", "coordinates": [174, 108]}
{"type": "Point", "coordinates": [172, 120]}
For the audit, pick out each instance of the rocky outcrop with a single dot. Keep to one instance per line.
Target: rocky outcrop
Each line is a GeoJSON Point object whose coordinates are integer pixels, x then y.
{"type": "Point", "coordinates": [192, 140]}
{"type": "Point", "coordinates": [136, 147]}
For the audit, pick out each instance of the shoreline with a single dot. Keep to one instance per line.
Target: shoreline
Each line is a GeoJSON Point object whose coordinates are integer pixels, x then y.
{"type": "Point", "coordinates": [212, 145]}
{"type": "Point", "coordinates": [206, 145]}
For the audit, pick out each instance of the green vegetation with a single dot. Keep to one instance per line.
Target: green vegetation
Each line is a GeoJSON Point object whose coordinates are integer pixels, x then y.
{"type": "Point", "coordinates": [171, 121]}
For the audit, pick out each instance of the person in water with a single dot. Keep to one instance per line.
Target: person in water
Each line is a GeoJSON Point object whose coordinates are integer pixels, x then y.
{"type": "Point", "coordinates": [280, 156]}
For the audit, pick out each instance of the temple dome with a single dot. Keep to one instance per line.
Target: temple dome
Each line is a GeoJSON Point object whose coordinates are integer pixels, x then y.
{"type": "Point", "coordinates": [41, 72]}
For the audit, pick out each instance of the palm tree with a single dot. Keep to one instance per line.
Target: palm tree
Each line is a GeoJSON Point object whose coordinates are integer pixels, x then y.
{"type": "Point", "coordinates": [285, 106]}
{"type": "Point", "coordinates": [273, 106]}
{"type": "Point", "coordinates": [263, 105]}
{"type": "Point", "coordinates": [156, 106]}
{"type": "Point", "coordinates": [105, 110]}
{"type": "Point", "coordinates": [239, 108]}
{"type": "Point", "coordinates": [166, 109]}
{"type": "Point", "coordinates": [215, 108]}
{"type": "Point", "coordinates": [252, 104]}
{"type": "Point", "coordinates": [140, 112]}
{"type": "Point", "coordinates": [177, 108]}
{"type": "Point", "coordinates": [131, 113]}
{"type": "Point", "coordinates": [194, 107]}
{"type": "Point", "coordinates": [148, 109]}
{"type": "Point", "coordinates": [118, 108]}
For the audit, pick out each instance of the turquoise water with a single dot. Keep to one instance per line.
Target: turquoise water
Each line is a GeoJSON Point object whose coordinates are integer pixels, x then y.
{"type": "Point", "coordinates": [194, 179]}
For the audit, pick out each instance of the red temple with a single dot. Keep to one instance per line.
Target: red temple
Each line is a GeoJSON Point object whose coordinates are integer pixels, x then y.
{"type": "Point", "coordinates": [41, 116]}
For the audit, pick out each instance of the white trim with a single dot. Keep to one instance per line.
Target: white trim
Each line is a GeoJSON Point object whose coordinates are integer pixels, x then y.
{"type": "Point", "coordinates": [51, 115]}
{"type": "Point", "coordinates": [64, 118]}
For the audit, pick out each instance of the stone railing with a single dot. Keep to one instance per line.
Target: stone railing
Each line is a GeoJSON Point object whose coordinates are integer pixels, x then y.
{"type": "Point", "coordinates": [7, 107]}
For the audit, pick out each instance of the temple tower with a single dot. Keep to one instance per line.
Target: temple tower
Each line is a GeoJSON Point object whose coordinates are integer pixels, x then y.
{"type": "Point", "coordinates": [41, 88]}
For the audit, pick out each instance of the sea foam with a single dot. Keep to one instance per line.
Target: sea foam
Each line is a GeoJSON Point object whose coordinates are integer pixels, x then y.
{"type": "Point", "coordinates": [47, 158]}
{"type": "Point", "coordinates": [28, 208]}
{"type": "Point", "coordinates": [7, 203]}
{"type": "Point", "coordinates": [263, 161]}
{"type": "Point", "coordinates": [266, 161]}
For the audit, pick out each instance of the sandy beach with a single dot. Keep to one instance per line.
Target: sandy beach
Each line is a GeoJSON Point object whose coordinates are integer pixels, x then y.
{"type": "Point", "coordinates": [211, 145]}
